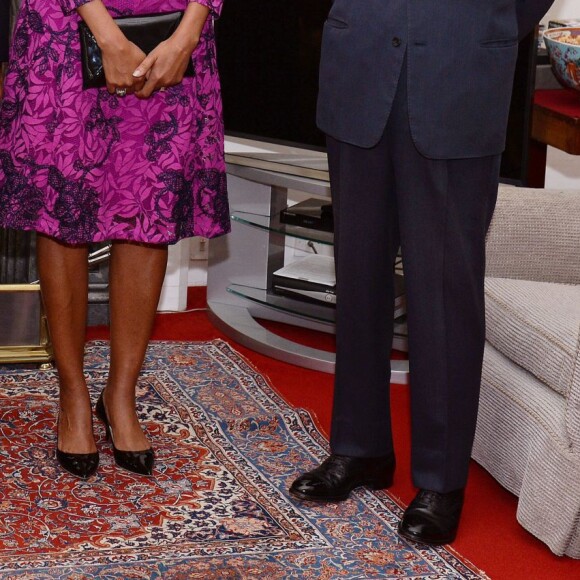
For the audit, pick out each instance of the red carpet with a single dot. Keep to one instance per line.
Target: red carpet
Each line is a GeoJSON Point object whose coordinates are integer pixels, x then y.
{"type": "Point", "coordinates": [489, 535]}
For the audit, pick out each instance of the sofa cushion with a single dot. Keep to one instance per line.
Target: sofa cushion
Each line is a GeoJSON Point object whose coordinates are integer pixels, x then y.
{"type": "Point", "coordinates": [537, 326]}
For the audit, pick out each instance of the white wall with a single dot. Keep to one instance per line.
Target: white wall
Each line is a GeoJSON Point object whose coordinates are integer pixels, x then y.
{"type": "Point", "coordinates": [563, 9]}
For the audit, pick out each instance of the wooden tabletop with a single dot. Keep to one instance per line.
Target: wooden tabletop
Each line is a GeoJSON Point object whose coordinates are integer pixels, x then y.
{"type": "Point", "coordinates": [556, 119]}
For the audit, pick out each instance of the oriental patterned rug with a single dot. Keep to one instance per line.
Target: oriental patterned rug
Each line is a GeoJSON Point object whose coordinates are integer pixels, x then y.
{"type": "Point", "coordinates": [217, 507]}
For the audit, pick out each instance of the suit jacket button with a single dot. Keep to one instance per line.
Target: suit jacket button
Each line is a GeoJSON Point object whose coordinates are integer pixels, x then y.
{"type": "Point", "coordinates": [396, 42]}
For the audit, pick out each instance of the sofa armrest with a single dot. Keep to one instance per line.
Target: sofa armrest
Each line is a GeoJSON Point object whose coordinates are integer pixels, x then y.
{"type": "Point", "coordinates": [535, 235]}
{"type": "Point", "coordinates": [573, 404]}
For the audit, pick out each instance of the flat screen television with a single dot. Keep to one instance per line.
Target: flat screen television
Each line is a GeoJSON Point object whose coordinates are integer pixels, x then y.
{"type": "Point", "coordinates": [268, 57]}
{"type": "Point", "coordinates": [268, 54]}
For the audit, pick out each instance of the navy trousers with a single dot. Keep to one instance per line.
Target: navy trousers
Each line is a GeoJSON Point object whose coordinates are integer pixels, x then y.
{"type": "Point", "coordinates": [438, 212]}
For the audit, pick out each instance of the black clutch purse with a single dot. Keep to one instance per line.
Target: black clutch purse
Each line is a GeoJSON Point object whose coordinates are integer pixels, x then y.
{"type": "Point", "coordinates": [145, 31]}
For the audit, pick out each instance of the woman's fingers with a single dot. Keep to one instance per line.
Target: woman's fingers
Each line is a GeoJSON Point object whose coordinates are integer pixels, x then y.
{"type": "Point", "coordinates": [146, 76]}
{"type": "Point", "coordinates": [153, 83]}
{"type": "Point", "coordinates": [164, 67]}
{"type": "Point", "coordinates": [119, 66]}
{"type": "Point", "coordinates": [145, 67]}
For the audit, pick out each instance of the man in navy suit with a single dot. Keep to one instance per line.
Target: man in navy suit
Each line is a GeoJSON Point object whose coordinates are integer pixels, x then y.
{"type": "Point", "coordinates": [414, 99]}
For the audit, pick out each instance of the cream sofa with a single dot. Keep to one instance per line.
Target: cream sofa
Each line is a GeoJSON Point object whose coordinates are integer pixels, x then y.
{"type": "Point", "coordinates": [528, 431]}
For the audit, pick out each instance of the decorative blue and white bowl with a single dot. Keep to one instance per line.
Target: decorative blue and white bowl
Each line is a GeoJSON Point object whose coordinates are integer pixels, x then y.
{"type": "Point", "coordinates": [563, 45]}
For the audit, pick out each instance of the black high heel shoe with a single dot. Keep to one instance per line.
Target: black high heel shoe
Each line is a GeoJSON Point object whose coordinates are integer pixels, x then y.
{"type": "Point", "coordinates": [140, 462]}
{"type": "Point", "coordinates": [81, 465]}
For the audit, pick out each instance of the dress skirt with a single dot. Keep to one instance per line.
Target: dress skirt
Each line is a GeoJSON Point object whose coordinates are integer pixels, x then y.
{"type": "Point", "coordinates": [86, 166]}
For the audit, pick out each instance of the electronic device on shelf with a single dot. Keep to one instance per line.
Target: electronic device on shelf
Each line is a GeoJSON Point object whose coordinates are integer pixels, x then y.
{"type": "Point", "coordinates": [310, 278]}
{"type": "Point", "coordinates": [313, 279]}
{"type": "Point", "coordinates": [311, 213]}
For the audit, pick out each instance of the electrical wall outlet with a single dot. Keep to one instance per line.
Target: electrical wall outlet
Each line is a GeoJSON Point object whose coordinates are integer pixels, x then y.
{"type": "Point", "coordinates": [199, 248]}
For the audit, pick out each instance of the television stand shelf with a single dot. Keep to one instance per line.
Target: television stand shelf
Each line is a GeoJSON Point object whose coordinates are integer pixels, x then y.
{"type": "Point", "coordinates": [241, 264]}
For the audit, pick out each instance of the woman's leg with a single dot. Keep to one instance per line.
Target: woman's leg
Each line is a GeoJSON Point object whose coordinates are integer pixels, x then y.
{"type": "Point", "coordinates": [63, 272]}
{"type": "Point", "coordinates": [136, 277]}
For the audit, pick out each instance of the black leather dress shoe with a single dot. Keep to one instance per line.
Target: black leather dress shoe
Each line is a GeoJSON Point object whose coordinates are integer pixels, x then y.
{"type": "Point", "coordinates": [432, 517]}
{"type": "Point", "coordinates": [338, 475]}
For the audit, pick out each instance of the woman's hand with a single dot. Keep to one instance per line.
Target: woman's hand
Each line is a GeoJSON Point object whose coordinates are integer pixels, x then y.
{"type": "Point", "coordinates": [166, 64]}
{"type": "Point", "coordinates": [119, 62]}
{"type": "Point", "coordinates": [120, 57]}
{"type": "Point", "coordinates": [163, 67]}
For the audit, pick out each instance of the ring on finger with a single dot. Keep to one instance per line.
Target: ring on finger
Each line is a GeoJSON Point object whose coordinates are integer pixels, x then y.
{"type": "Point", "coordinates": [120, 92]}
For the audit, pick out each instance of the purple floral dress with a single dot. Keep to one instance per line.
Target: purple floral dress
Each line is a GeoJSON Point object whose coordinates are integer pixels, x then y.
{"type": "Point", "coordinates": [85, 166]}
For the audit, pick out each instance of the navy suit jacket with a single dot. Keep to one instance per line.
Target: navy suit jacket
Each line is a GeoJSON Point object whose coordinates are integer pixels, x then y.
{"type": "Point", "coordinates": [460, 57]}
{"type": "Point", "coordinates": [4, 29]}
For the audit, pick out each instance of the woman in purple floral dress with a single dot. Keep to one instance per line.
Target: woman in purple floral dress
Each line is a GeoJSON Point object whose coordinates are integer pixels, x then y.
{"type": "Point", "coordinates": [139, 163]}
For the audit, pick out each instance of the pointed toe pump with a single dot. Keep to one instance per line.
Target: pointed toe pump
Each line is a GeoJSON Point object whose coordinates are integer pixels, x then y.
{"type": "Point", "coordinates": [81, 465]}
{"type": "Point", "coordinates": [140, 462]}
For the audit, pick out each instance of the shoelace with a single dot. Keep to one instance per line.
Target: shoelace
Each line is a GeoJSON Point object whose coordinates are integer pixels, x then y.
{"type": "Point", "coordinates": [335, 465]}
{"type": "Point", "coordinates": [429, 498]}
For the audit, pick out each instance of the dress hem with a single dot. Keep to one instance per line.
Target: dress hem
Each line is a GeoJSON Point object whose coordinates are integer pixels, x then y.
{"type": "Point", "coordinates": [103, 239]}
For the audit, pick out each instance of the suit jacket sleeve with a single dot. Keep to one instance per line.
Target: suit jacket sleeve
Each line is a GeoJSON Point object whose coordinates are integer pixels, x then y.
{"type": "Point", "coordinates": [530, 12]}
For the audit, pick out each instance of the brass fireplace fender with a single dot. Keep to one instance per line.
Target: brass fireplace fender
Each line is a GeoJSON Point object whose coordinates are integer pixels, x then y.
{"type": "Point", "coordinates": [38, 351]}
